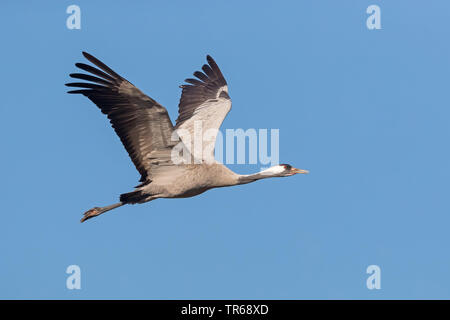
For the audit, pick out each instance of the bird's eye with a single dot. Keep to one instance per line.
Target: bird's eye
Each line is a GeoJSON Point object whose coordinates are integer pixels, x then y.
{"type": "Point", "coordinates": [287, 166]}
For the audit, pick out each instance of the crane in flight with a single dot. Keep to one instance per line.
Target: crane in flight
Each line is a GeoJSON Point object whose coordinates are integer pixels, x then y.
{"type": "Point", "coordinates": [147, 133]}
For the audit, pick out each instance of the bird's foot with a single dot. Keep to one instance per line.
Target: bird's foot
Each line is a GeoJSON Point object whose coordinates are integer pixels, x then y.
{"type": "Point", "coordinates": [91, 213]}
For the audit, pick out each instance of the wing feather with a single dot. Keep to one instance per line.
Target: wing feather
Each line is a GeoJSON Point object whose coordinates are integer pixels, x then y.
{"type": "Point", "coordinates": [206, 100]}
{"type": "Point", "coordinates": [142, 124]}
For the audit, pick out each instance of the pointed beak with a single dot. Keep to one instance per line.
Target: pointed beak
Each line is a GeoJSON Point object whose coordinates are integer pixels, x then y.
{"type": "Point", "coordinates": [295, 171]}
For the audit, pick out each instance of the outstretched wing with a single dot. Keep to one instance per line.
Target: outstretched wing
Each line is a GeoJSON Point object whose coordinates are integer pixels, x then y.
{"type": "Point", "coordinates": [142, 124]}
{"type": "Point", "coordinates": [203, 106]}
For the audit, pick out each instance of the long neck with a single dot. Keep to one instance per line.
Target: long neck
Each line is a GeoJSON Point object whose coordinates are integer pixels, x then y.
{"type": "Point", "coordinates": [247, 178]}
{"type": "Point", "coordinates": [224, 177]}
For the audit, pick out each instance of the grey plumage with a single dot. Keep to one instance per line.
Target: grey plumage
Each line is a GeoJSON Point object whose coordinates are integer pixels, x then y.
{"type": "Point", "coordinates": [146, 131]}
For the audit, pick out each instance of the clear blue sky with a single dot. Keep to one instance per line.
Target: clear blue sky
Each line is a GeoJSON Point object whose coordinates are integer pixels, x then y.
{"type": "Point", "coordinates": [366, 111]}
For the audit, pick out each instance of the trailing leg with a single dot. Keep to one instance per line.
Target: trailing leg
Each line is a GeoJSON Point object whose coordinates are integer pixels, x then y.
{"type": "Point", "coordinates": [99, 210]}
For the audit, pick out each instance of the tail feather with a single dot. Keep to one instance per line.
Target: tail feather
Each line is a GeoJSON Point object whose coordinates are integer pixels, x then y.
{"type": "Point", "coordinates": [132, 197]}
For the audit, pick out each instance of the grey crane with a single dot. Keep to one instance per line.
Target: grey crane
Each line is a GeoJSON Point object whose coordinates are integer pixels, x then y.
{"type": "Point", "coordinates": [148, 135]}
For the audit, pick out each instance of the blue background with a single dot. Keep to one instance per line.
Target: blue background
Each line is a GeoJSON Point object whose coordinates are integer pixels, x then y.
{"type": "Point", "coordinates": [366, 111]}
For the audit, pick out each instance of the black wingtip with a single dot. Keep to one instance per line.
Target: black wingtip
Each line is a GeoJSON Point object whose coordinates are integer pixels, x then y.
{"type": "Point", "coordinates": [77, 91]}
{"type": "Point", "coordinates": [89, 56]}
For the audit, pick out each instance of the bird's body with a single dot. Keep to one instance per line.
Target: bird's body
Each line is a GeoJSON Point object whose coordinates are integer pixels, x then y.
{"type": "Point", "coordinates": [146, 131]}
{"type": "Point", "coordinates": [183, 181]}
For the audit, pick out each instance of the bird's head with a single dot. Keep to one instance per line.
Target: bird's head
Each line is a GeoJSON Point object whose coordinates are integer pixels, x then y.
{"type": "Point", "coordinates": [283, 170]}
